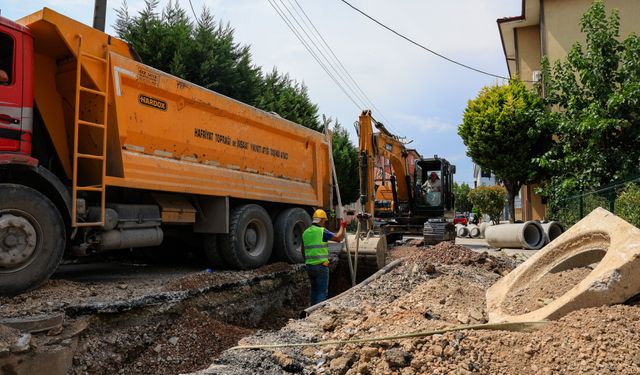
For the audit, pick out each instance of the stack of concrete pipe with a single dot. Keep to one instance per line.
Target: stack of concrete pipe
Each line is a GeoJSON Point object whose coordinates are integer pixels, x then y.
{"type": "Point", "coordinates": [474, 230]}
{"type": "Point", "coordinates": [462, 231]}
{"type": "Point", "coordinates": [529, 235]}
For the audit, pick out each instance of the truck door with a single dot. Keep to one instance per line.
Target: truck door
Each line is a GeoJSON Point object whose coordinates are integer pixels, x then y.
{"type": "Point", "coordinates": [15, 112]}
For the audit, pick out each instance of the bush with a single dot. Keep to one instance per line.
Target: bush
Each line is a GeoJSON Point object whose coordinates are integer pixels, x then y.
{"type": "Point", "coordinates": [628, 204]}
{"type": "Point", "coordinates": [489, 200]}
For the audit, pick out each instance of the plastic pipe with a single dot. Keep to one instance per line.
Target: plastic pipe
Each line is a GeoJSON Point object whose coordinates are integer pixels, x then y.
{"type": "Point", "coordinates": [529, 235]}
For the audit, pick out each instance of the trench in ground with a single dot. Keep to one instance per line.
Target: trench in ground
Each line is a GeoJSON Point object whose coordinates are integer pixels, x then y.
{"type": "Point", "coordinates": [174, 337]}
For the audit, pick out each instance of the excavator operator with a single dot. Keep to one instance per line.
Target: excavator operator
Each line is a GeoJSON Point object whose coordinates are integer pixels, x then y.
{"type": "Point", "coordinates": [433, 190]}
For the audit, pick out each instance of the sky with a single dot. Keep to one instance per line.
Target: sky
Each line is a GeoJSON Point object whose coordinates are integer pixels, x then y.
{"type": "Point", "coordinates": [416, 94]}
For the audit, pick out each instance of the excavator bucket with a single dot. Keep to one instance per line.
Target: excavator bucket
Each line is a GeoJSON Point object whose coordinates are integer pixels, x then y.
{"type": "Point", "coordinates": [371, 250]}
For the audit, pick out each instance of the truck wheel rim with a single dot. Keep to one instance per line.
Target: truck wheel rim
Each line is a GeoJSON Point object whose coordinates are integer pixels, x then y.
{"type": "Point", "coordinates": [255, 237]}
{"type": "Point", "coordinates": [298, 229]}
{"type": "Point", "coordinates": [18, 240]}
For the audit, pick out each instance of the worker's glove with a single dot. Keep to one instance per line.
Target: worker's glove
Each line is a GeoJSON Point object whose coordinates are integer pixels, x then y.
{"type": "Point", "coordinates": [343, 224]}
{"type": "Point", "coordinates": [325, 263]}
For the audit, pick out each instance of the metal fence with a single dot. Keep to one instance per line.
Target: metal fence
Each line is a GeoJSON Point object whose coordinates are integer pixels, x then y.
{"type": "Point", "coordinates": [621, 198]}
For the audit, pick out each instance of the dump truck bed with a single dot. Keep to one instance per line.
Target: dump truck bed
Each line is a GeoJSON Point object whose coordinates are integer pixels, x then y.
{"type": "Point", "coordinates": [167, 134]}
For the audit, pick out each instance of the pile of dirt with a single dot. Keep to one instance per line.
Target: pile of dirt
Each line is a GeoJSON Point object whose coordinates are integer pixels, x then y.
{"type": "Point", "coordinates": [543, 291]}
{"type": "Point", "coordinates": [450, 253]}
{"type": "Point", "coordinates": [426, 294]}
{"type": "Point", "coordinates": [596, 340]}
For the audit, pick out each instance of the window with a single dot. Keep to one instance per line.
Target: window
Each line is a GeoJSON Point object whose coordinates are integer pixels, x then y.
{"type": "Point", "coordinates": [486, 173]}
{"type": "Point", "coordinates": [6, 59]}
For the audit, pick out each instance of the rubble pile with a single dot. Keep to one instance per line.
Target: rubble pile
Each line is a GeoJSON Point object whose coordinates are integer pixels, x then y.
{"type": "Point", "coordinates": [432, 290]}
{"type": "Point", "coordinates": [449, 253]}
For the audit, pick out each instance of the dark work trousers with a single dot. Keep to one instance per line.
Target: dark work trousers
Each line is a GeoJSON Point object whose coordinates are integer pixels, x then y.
{"type": "Point", "coordinates": [319, 278]}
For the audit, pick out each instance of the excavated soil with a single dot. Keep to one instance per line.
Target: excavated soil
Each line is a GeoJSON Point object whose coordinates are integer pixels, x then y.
{"type": "Point", "coordinates": [450, 253]}
{"type": "Point", "coordinates": [545, 290]}
{"type": "Point", "coordinates": [431, 290]}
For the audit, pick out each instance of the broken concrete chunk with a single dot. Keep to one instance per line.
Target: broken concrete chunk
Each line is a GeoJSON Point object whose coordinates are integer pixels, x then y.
{"type": "Point", "coordinates": [342, 364]}
{"type": "Point", "coordinates": [397, 358]}
{"type": "Point", "coordinates": [368, 352]}
{"type": "Point", "coordinates": [601, 236]}
{"type": "Point", "coordinates": [22, 344]}
{"type": "Point", "coordinates": [463, 318]}
{"type": "Point", "coordinates": [286, 362]}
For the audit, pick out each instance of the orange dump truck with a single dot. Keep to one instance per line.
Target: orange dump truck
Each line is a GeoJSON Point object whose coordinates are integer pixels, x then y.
{"type": "Point", "coordinates": [100, 152]}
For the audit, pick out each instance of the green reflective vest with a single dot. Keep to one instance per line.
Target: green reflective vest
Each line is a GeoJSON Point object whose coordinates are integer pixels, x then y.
{"type": "Point", "coordinates": [315, 250]}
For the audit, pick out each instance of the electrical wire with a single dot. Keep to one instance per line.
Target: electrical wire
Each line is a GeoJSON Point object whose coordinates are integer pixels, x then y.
{"type": "Point", "coordinates": [306, 45]}
{"type": "Point", "coordinates": [321, 54]}
{"type": "Point", "coordinates": [328, 48]}
{"type": "Point", "coordinates": [422, 46]}
{"type": "Point", "coordinates": [194, 13]}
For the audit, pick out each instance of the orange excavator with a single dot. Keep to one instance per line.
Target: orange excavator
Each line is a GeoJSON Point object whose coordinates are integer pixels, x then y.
{"type": "Point", "coordinates": [421, 200]}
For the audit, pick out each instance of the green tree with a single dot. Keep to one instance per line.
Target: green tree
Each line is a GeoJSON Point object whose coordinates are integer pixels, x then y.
{"type": "Point", "coordinates": [489, 200]}
{"type": "Point", "coordinates": [461, 194]}
{"type": "Point", "coordinates": [500, 131]}
{"type": "Point", "coordinates": [596, 90]}
{"type": "Point", "coordinates": [282, 95]}
{"type": "Point", "coordinates": [627, 204]}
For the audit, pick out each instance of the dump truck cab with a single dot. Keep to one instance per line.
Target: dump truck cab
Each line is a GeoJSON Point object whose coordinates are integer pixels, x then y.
{"type": "Point", "coordinates": [16, 91]}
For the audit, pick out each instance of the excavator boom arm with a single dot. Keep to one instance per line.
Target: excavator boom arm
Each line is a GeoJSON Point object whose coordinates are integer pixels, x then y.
{"type": "Point", "coordinates": [384, 144]}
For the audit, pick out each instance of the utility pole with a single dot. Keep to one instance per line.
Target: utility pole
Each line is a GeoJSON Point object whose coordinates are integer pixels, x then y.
{"type": "Point", "coordinates": [99, 14]}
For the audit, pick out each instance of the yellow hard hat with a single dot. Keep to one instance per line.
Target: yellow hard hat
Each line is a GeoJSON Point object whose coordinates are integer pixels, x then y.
{"type": "Point", "coordinates": [320, 214]}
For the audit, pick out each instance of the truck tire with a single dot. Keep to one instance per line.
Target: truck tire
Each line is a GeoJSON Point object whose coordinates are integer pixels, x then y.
{"type": "Point", "coordinates": [32, 238]}
{"type": "Point", "coordinates": [211, 252]}
{"type": "Point", "coordinates": [288, 229]}
{"type": "Point", "coordinates": [250, 240]}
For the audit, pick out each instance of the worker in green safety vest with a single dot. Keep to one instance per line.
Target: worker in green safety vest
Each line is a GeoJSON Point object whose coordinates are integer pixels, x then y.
{"type": "Point", "coordinates": [315, 250]}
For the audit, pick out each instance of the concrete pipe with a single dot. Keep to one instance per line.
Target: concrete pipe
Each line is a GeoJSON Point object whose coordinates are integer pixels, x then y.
{"type": "Point", "coordinates": [461, 230]}
{"type": "Point", "coordinates": [483, 227]}
{"type": "Point", "coordinates": [527, 235]}
{"type": "Point", "coordinates": [599, 236]}
{"type": "Point", "coordinates": [552, 230]}
{"type": "Point", "coordinates": [474, 231]}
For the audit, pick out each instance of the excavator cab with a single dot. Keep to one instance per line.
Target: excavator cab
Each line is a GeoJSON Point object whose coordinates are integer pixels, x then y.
{"type": "Point", "coordinates": [434, 198]}
{"type": "Point", "coordinates": [433, 185]}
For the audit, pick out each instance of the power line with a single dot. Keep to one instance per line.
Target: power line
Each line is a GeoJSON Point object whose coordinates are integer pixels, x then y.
{"type": "Point", "coordinates": [194, 14]}
{"type": "Point", "coordinates": [328, 47]}
{"type": "Point", "coordinates": [304, 43]}
{"type": "Point", "coordinates": [321, 54]}
{"type": "Point", "coordinates": [422, 46]}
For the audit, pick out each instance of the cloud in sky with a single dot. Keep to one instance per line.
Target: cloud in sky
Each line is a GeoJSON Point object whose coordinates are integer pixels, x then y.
{"type": "Point", "coordinates": [425, 124]}
{"type": "Point", "coordinates": [421, 96]}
